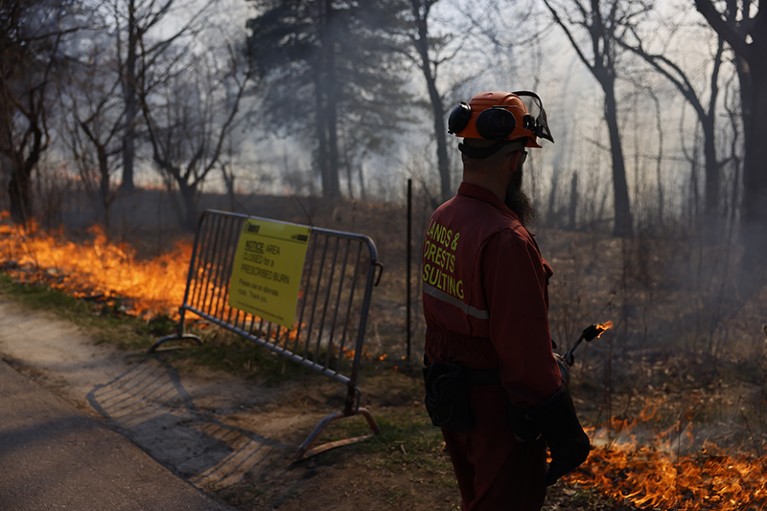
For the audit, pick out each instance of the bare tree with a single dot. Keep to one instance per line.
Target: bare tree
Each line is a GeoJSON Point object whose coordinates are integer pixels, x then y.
{"type": "Point", "coordinates": [705, 111]}
{"type": "Point", "coordinates": [743, 25]}
{"type": "Point", "coordinates": [435, 46]}
{"type": "Point", "coordinates": [602, 22]}
{"type": "Point", "coordinates": [425, 45]}
{"type": "Point", "coordinates": [137, 29]}
{"type": "Point", "coordinates": [93, 116]}
{"type": "Point", "coordinates": [96, 151]}
{"type": "Point", "coordinates": [190, 112]}
{"type": "Point", "coordinates": [31, 33]}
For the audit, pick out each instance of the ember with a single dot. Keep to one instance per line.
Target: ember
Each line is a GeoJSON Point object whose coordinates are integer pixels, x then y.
{"type": "Point", "coordinates": [98, 269]}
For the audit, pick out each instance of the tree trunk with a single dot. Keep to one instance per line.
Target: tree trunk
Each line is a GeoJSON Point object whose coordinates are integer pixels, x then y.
{"type": "Point", "coordinates": [623, 224]}
{"type": "Point", "coordinates": [572, 213]}
{"type": "Point", "coordinates": [320, 128]}
{"type": "Point", "coordinates": [327, 105]}
{"type": "Point", "coordinates": [20, 185]}
{"type": "Point", "coordinates": [129, 88]}
{"type": "Point", "coordinates": [189, 199]}
{"type": "Point", "coordinates": [754, 212]}
{"type": "Point", "coordinates": [552, 217]}
{"type": "Point", "coordinates": [713, 178]}
{"type": "Point", "coordinates": [105, 200]}
{"type": "Point", "coordinates": [443, 162]}
{"type": "Point", "coordinates": [713, 168]}
{"type": "Point", "coordinates": [333, 191]}
{"type": "Point", "coordinates": [437, 107]}
{"type": "Point", "coordinates": [20, 195]}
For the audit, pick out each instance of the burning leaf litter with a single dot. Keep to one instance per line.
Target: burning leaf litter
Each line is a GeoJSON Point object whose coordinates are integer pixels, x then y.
{"type": "Point", "coordinates": [97, 269]}
{"type": "Point", "coordinates": [651, 478]}
{"type": "Point", "coordinates": [648, 476]}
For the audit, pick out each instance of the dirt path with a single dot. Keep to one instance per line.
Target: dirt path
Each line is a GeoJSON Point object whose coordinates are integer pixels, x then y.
{"type": "Point", "coordinates": [212, 429]}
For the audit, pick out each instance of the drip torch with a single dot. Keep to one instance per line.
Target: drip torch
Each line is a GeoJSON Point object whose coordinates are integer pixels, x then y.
{"type": "Point", "coordinates": [589, 333]}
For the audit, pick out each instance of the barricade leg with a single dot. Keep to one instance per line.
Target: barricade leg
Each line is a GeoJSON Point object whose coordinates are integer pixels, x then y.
{"type": "Point", "coordinates": [306, 450]}
{"type": "Point", "coordinates": [180, 335]}
{"type": "Point", "coordinates": [175, 337]}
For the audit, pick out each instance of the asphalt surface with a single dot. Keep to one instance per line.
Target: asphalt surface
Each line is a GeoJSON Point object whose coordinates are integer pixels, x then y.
{"type": "Point", "coordinates": [54, 456]}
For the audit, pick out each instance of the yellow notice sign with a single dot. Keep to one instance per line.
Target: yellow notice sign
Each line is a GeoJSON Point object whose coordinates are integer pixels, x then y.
{"type": "Point", "coordinates": [268, 264]}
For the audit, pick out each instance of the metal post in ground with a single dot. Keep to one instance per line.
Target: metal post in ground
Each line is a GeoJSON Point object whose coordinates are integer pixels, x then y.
{"type": "Point", "coordinates": [408, 263]}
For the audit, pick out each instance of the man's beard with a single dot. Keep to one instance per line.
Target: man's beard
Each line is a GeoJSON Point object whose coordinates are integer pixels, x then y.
{"type": "Point", "coordinates": [518, 201]}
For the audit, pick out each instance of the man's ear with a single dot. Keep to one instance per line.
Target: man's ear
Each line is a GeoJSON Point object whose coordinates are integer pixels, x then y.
{"type": "Point", "coordinates": [512, 160]}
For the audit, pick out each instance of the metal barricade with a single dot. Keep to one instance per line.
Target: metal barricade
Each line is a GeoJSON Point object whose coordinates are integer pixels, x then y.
{"type": "Point", "coordinates": [337, 281]}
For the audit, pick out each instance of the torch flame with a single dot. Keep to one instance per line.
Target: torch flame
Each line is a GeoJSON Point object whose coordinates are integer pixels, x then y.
{"type": "Point", "coordinates": [603, 327]}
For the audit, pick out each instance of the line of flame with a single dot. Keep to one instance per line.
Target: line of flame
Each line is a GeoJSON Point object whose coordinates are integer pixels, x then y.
{"type": "Point", "coordinates": [650, 478]}
{"type": "Point", "coordinates": [98, 267]}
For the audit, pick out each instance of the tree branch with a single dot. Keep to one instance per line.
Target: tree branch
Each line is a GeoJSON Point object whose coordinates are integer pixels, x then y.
{"type": "Point", "coordinates": [570, 37]}
{"type": "Point", "coordinates": [727, 30]}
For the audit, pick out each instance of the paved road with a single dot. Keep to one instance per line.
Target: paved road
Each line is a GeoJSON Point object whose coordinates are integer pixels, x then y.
{"type": "Point", "coordinates": [54, 456]}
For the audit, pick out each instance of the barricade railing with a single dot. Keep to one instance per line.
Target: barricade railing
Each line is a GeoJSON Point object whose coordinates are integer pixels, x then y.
{"type": "Point", "coordinates": [339, 272]}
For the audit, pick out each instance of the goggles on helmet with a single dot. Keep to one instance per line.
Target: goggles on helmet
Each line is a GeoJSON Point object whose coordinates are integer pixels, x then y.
{"type": "Point", "coordinates": [501, 116]}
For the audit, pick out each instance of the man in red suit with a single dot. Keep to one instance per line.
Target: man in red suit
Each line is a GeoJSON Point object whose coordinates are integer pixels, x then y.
{"type": "Point", "coordinates": [492, 382]}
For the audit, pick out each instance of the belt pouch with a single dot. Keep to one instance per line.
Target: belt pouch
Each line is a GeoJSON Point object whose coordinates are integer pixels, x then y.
{"type": "Point", "coordinates": [447, 397]}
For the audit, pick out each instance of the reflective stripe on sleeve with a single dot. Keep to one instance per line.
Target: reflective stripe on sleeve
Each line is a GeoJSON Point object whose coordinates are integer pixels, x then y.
{"type": "Point", "coordinates": [452, 300]}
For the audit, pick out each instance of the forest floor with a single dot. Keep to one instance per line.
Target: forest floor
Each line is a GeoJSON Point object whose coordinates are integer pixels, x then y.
{"type": "Point", "coordinates": [236, 438]}
{"type": "Point", "coordinates": [674, 392]}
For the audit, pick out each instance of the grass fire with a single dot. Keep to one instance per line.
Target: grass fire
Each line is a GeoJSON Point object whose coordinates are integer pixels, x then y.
{"type": "Point", "coordinates": [96, 269]}
{"type": "Point", "coordinates": [637, 462]}
{"type": "Point", "coordinates": [656, 475]}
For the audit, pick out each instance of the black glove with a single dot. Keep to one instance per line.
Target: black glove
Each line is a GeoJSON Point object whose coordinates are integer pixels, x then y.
{"type": "Point", "coordinates": [559, 425]}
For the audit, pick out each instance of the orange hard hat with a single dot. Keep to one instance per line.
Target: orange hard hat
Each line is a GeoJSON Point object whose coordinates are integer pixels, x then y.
{"type": "Point", "coordinates": [500, 116]}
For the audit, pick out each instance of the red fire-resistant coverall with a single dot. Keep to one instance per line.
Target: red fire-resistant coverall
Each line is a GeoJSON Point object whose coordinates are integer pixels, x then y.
{"type": "Point", "coordinates": [485, 302]}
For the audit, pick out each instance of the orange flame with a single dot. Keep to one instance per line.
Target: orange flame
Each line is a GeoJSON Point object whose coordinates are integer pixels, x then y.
{"type": "Point", "coordinates": [656, 476]}
{"type": "Point", "coordinates": [635, 463]}
{"type": "Point", "coordinates": [652, 478]}
{"type": "Point", "coordinates": [603, 327]}
{"type": "Point", "coordinates": [111, 272]}
{"type": "Point", "coordinates": [97, 268]}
